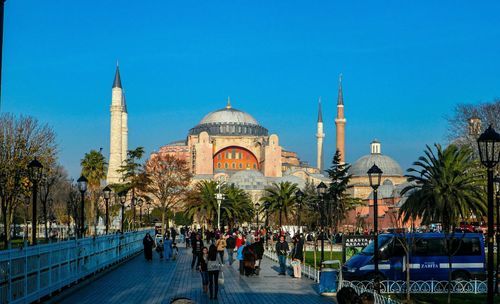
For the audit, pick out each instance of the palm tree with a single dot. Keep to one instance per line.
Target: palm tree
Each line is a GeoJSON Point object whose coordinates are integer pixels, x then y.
{"type": "Point", "coordinates": [282, 198]}
{"type": "Point", "coordinates": [446, 186]}
{"type": "Point", "coordinates": [94, 168]}
{"type": "Point", "coordinates": [240, 204]}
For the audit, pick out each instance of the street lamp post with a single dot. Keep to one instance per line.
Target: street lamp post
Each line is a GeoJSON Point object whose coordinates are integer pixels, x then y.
{"type": "Point", "coordinates": [35, 169]}
{"type": "Point", "coordinates": [133, 203]}
{"type": "Point", "coordinates": [266, 224]}
{"type": "Point", "coordinates": [299, 195]}
{"type": "Point", "coordinates": [489, 153]}
{"type": "Point", "coordinates": [139, 203]}
{"type": "Point", "coordinates": [107, 194]}
{"type": "Point", "coordinates": [321, 192]}
{"type": "Point", "coordinates": [123, 200]}
{"type": "Point", "coordinates": [219, 196]}
{"type": "Point", "coordinates": [497, 182]}
{"type": "Point", "coordinates": [148, 206]}
{"type": "Point", "coordinates": [257, 206]}
{"type": "Point", "coordinates": [375, 175]}
{"type": "Point", "coordinates": [82, 186]}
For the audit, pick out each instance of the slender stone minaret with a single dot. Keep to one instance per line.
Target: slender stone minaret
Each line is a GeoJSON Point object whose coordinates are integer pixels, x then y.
{"type": "Point", "coordinates": [340, 123]}
{"type": "Point", "coordinates": [119, 131]}
{"type": "Point", "coordinates": [320, 135]}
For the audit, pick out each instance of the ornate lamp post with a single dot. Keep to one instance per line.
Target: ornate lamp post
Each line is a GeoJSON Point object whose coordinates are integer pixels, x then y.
{"type": "Point", "coordinates": [299, 195]}
{"type": "Point", "coordinates": [82, 186]}
{"type": "Point", "coordinates": [148, 206]}
{"type": "Point", "coordinates": [375, 175]}
{"type": "Point", "coordinates": [140, 201]}
{"type": "Point", "coordinates": [133, 204]}
{"type": "Point", "coordinates": [489, 153]}
{"type": "Point", "coordinates": [321, 193]}
{"type": "Point", "coordinates": [107, 194]}
{"type": "Point", "coordinates": [257, 206]}
{"type": "Point", "coordinates": [266, 224]}
{"type": "Point", "coordinates": [123, 200]}
{"type": "Point", "coordinates": [219, 197]}
{"type": "Point", "coordinates": [35, 169]}
{"type": "Point", "coordinates": [497, 182]}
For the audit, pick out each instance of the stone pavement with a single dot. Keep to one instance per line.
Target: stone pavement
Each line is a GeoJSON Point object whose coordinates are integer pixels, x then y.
{"type": "Point", "coordinates": [139, 281]}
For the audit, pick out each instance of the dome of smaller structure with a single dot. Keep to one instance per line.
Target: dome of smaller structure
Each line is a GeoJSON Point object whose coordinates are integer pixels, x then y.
{"type": "Point", "coordinates": [249, 180]}
{"type": "Point", "coordinates": [292, 179]}
{"type": "Point", "coordinates": [388, 165]}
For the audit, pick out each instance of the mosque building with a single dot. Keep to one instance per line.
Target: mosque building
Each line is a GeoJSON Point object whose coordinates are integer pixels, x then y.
{"type": "Point", "coordinates": [231, 144]}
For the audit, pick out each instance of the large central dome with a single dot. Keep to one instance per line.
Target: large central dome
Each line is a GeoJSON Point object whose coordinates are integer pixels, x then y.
{"type": "Point", "coordinates": [229, 121]}
{"type": "Point", "coordinates": [229, 115]}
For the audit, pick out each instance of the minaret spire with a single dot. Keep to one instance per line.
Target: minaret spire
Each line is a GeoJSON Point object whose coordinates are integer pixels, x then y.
{"type": "Point", "coordinates": [117, 83]}
{"type": "Point", "coordinates": [340, 122]}
{"type": "Point", "coordinates": [320, 113]}
{"type": "Point", "coordinates": [319, 136]}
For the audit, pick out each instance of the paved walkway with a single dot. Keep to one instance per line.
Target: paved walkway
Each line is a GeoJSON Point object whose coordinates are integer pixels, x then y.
{"type": "Point", "coordinates": [139, 281]}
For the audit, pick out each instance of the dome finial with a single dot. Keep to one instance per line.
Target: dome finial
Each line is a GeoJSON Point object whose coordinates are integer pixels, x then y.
{"type": "Point", "coordinates": [228, 106]}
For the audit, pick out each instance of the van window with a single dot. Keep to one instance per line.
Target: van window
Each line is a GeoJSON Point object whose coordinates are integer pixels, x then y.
{"type": "Point", "coordinates": [429, 247]}
{"type": "Point", "coordinates": [466, 246]}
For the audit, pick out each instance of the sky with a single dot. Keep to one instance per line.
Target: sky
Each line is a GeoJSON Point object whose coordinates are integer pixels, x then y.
{"type": "Point", "coordinates": [405, 66]}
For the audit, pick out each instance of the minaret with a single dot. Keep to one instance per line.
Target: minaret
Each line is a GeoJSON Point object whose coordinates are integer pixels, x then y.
{"type": "Point", "coordinates": [124, 130]}
{"type": "Point", "coordinates": [117, 128]}
{"type": "Point", "coordinates": [320, 135]}
{"type": "Point", "coordinates": [340, 123]}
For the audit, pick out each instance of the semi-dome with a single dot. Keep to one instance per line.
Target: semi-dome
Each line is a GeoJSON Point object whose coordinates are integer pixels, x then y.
{"type": "Point", "coordinates": [388, 165]}
{"type": "Point", "coordinates": [229, 121]}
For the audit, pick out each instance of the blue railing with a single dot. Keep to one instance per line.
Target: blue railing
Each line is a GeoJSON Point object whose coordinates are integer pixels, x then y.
{"type": "Point", "coordinates": [31, 273]}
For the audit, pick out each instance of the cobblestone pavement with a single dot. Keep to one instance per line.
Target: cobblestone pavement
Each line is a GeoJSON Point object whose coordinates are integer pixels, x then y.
{"type": "Point", "coordinates": [139, 281]}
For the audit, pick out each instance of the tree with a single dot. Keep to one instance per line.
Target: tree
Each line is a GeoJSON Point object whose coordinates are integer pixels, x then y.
{"type": "Point", "coordinates": [94, 168]}
{"type": "Point", "coordinates": [282, 198]}
{"type": "Point", "coordinates": [238, 205]}
{"type": "Point", "coordinates": [459, 132]}
{"type": "Point", "coordinates": [338, 200]}
{"type": "Point", "coordinates": [167, 180]}
{"type": "Point", "coordinates": [51, 179]}
{"type": "Point", "coordinates": [446, 186]}
{"type": "Point", "coordinates": [21, 140]}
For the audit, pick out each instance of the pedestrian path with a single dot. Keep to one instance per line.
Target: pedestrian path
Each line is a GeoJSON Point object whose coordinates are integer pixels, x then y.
{"type": "Point", "coordinates": [139, 281]}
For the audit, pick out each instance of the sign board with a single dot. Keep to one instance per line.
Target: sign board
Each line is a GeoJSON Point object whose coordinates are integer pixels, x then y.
{"type": "Point", "coordinates": [353, 244]}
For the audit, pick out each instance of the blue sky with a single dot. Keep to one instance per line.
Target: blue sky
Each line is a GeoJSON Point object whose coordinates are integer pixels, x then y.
{"type": "Point", "coordinates": [405, 66]}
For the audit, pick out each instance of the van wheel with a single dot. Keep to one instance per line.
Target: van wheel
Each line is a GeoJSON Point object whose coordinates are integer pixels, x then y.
{"type": "Point", "coordinates": [460, 276]}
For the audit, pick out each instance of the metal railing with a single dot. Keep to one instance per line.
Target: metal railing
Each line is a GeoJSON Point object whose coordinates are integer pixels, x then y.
{"type": "Point", "coordinates": [31, 273]}
{"type": "Point", "coordinates": [430, 286]}
{"type": "Point", "coordinates": [379, 299]}
{"type": "Point", "coordinates": [307, 270]}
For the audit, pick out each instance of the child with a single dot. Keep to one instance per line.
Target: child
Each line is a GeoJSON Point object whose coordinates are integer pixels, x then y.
{"type": "Point", "coordinates": [159, 249]}
{"type": "Point", "coordinates": [175, 251]}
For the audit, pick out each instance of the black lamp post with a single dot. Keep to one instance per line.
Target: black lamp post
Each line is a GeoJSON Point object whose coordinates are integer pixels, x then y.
{"type": "Point", "coordinates": [257, 206]}
{"type": "Point", "coordinates": [133, 203]}
{"type": "Point", "coordinates": [35, 169]}
{"type": "Point", "coordinates": [82, 186]}
{"type": "Point", "coordinates": [107, 194]}
{"type": "Point", "coordinates": [299, 195]}
{"type": "Point", "coordinates": [266, 206]}
{"type": "Point", "coordinates": [140, 201]}
{"type": "Point", "coordinates": [321, 193]}
{"type": "Point", "coordinates": [489, 153]}
{"type": "Point", "coordinates": [123, 200]}
{"type": "Point", "coordinates": [148, 206]}
{"type": "Point", "coordinates": [497, 182]}
{"type": "Point", "coordinates": [375, 175]}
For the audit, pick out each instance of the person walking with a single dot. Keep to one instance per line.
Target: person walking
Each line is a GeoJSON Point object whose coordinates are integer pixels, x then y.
{"type": "Point", "coordinates": [148, 244]}
{"type": "Point", "coordinates": [221, 246]}
{"type": "Point", "coordinates": [239, 256]}
{"type": "Point", "coordinates": [197, 247]}
{"type": "Point", "coordinates": [259, 252]}
{"type": "Point", "coordinates": [230, 245]}
{"type": "Point", "coordinates": [249, 258]}
{"type": "Point", "coordinates": [239, 241]}
{"type": "Point", "coordinates": [297, 256]}
{"type": "Point", "coordinates": [282, 251]}
{"type": "Point", "coordinates": [214, 266]}
{"type": "Point", "coordinates": [167, 247]}
{"type": "Point", "coordinates": [203, 268]}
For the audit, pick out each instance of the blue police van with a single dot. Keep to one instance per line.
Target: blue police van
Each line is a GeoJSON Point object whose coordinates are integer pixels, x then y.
{"type": "Point", "coordinates": [428, 257]}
